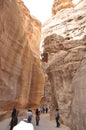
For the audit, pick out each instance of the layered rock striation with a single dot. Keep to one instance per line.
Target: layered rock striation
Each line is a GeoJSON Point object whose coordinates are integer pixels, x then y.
{"type": "Point", "coordinates": [61, 4]}
{"type": "Point", "coordinates": [63, 49]}
{"type": "Point", "coordinates": [21, 76]}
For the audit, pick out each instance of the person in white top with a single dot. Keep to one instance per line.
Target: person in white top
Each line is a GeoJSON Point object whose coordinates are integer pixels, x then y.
{"type": "Point", "coordinates": [29, 116]}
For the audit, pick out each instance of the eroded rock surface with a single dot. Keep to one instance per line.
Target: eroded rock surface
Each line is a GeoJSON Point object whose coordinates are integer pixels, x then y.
{"type": "Point", "coordinates": [21, 76]}
{"type": "Point", "coordinates": [64, 57]}
{"type": "Point", "coordinates": [61, 4]}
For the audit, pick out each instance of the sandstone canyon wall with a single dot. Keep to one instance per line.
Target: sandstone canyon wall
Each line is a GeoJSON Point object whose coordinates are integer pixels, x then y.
{"type": "Point", "coordinates": [61, 4]}
{"type": "Point", "coordinates": [63, 49]}
{"type": "Point", "coordinates": [21, 76]}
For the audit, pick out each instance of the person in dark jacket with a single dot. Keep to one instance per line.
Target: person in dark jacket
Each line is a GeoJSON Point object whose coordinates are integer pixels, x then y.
{"type": "Point", "coordinates": [37, 112]}
{"type": "Point", "coordinates": [57, 116]}
{"type": "Point", "coordinates": [14, 118]}
{"type": "Point", "coordinates": [13, 112]}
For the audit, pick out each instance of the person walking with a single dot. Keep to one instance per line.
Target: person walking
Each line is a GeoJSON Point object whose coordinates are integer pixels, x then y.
{"type": "Point", "coordinates": [29, 116]}
{"type": "Point", "coordinates": [14, 118]}
{"type": "Point", "coordinates": [37, 112]}
{"type": "Point", "coordinates": [57, 116]}
{"type": "Point", "coordinates": [46, 109]}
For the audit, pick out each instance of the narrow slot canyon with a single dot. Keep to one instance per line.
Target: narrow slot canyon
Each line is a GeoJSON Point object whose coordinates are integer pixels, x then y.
{"type": "Point", "coordinates": [43, 64]}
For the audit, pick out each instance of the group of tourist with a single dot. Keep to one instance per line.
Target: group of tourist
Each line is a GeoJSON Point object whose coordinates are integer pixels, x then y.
{"type": "Point", "coordinates": [29, 115]}
{"type": "Point", "coordinates": [45, 109]}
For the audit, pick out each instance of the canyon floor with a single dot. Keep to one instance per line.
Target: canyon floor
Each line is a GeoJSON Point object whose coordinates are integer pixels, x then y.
{"type": "Point", "coordinates": [44, 124]}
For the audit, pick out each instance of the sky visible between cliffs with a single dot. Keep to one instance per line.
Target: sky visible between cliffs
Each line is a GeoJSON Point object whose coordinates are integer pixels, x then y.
{"type": "Point", "coordinates": [41, 9]}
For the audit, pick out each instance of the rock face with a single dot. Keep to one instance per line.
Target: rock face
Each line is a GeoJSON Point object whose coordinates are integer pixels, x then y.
{"type": "Point", "coordinates": [64, 57]}
{"type": "Point", "coordinates": [32, 28]}
{"type": "Point", "coordinates": [21, 76]}
{"type": "Point", "coordinates": [61, 4]}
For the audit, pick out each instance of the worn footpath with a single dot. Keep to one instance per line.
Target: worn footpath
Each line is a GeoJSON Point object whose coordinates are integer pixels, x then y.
{"type": "Point", "coordinates": [44, 124]}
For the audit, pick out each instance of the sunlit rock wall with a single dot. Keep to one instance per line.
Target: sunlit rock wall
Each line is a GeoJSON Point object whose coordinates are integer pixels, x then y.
{"type": "Point", "coordinates": [21, 76]}
{"type": "Point", "coordinates": [63, 4]}
{"type": "Point", "coordinates": [32, 28]}
{"type": "Point", "coordinates": [63, 48]}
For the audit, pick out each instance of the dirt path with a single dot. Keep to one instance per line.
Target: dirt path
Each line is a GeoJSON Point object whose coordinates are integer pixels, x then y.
{"type": "Point", "coordinates": [44, 124]}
